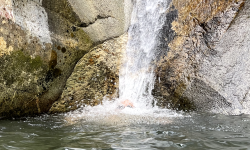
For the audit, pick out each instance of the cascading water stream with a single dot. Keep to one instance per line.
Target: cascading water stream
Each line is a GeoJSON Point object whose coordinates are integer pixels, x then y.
{"type": "Point", "coordinates": [137, 77]}
{"type": "Point", "coordinates": [137, 73]}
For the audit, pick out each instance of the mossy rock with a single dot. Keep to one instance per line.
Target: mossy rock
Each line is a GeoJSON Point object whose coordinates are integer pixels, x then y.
{"type": "Point", "coordinates": [33, 74]}
{"type": "Point", "coordinates": [22, 80]}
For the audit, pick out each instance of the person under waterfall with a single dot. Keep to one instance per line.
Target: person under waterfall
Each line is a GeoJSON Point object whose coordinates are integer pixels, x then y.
{"type": "Point", "coordinates": [126, 103]}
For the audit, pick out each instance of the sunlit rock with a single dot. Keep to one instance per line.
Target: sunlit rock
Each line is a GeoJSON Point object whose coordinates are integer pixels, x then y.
{"type": "Point", "coordinates": [104, 19]}
{"type": "Point", "coordinates": [201, 60]}
{"type": "Point", "coordinates": [40, 43]}
{"type": "Point", "coordinates": [205, 67]}
{"type": "Point", "coordinates": [95, 77]}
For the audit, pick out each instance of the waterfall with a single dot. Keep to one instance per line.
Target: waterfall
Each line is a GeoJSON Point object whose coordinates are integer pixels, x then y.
{"type": "Point", "coordinates": [137, 73]}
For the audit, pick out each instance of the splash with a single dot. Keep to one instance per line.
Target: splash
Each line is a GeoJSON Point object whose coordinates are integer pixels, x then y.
{"type": "Point", "coordinates": [137, 73]}
{"type": "Point", "coordinates": [137, 77]}
{"type": "Point", "coordinates": [109, 114]}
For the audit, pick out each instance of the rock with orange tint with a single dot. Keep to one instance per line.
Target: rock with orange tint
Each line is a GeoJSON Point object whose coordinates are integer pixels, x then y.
{"type": "Point", "coordinates": [6, 9]}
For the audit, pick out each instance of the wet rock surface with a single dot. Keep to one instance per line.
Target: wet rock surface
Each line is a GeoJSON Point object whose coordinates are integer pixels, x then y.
{"type": "Point", "coordinates": [202, 61]}
{"type": "Point", "coordinates": [40, 43]}
{"type": "Point", "coordinates": [35, 61]}
{"type": "Point", "coordinates": [95, 77]}
{"type": "Point", "coordinates": [202, 68]}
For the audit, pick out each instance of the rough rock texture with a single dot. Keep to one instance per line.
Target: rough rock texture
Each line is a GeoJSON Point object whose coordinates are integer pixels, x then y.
{"type": "Point", "coordinates": [203, 62]}
{"type": "Point", "coordinates": [206, 65]}
{"type": "Point", "coordinates": [35, 60]}
{"type": "Point", "coordinates": [40, 43]}
{"type": "Point", "coordinates": [228, 71]}
{"type": "Point", "coordinates": [95, 76]}
{"type": "Point", "coordinates": [202, 65]}
{"type": "Point", "coordinates": [105, 18]}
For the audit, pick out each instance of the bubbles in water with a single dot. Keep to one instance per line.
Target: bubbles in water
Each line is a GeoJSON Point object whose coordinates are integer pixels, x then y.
{"type": "Point", "coordinates": [110, 114]}
{"type": "Point", "coordinates": [137, 77]}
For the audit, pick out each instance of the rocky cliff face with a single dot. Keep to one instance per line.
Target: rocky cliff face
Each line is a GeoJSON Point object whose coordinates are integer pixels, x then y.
{"type": "Point", "coordinates": [40, 43]}
{"type": "Point", "coordinates": [203, 62]}
{"type": "Point", "coordinates": [206, 64]}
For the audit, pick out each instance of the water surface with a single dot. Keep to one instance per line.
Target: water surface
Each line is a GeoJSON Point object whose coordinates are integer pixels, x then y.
{"type": "Point", "coordinates": [187, 131]}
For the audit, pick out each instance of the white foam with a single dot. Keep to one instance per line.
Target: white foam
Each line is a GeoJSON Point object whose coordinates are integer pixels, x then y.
{"type": "Point", "coordinates": [109, 114]}
{"type": "Point", "coordinates": [137, 77]}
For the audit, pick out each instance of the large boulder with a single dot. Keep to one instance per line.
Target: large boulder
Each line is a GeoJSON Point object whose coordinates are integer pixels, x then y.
{"type": "Point", "coordinates": [105, 18]}
{"type": "Point", "coordinates": [206, 63]}
{"type": "Point", "coordinates": [40, 43]}
{"type": "Point", "coordinates": [95, 77]}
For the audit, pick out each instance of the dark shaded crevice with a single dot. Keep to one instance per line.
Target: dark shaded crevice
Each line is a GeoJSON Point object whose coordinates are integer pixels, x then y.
{"type": "Point", "coordinates": [203, 25]}
{"type": "Point", "coordinates": [216, 24]}
{"type": "Point", "coordinates": [238, 10]}
{"type": "Point", "coordinates": [167, 33]}
{"type": "Point", "coordinates": [84, 25]}
{"type": "Point", "coordinates": [63, 8]}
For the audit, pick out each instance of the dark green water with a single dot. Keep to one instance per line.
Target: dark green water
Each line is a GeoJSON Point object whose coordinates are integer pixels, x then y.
{"type": "Point", "coordinates": [189, 132]}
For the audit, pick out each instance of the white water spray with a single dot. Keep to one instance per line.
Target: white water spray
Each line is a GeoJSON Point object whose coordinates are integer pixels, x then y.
{"type": "Point", "coordinates": [137, 74]}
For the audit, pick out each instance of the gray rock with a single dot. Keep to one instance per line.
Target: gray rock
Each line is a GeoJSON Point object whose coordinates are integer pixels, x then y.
{"type": "Point", "coordinates": [228, 71]}
{"type": "Point", "coordinates": [103, 19]}
{"type": "Point", "coordinates": [205, 67]}
{"type": "Point", "coordinates": [40, 43]}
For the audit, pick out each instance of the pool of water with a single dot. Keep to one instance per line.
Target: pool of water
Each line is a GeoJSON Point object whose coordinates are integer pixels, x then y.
{"type": "Point", "coordinates": [160, 129]}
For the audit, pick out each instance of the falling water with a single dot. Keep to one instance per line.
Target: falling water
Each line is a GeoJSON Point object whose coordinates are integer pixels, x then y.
{"type": "Point", "coordinates": [137, 74]}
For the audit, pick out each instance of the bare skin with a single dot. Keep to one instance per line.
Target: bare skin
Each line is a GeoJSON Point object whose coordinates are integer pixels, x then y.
{"type": "Point", "coordinates": [127, 103]}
